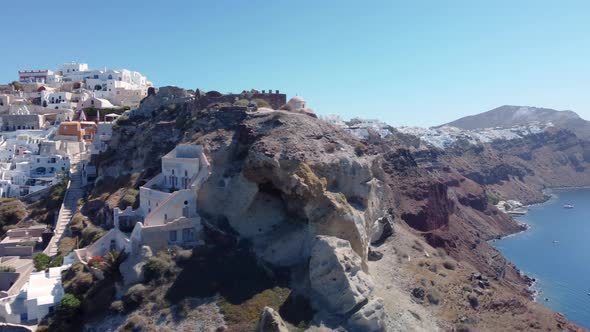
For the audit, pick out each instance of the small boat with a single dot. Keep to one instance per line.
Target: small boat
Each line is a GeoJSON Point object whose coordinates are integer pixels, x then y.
{"type": "Point", "coordinates": [555, 241]}
{"type": "Point", "coordinates": [568, 206]}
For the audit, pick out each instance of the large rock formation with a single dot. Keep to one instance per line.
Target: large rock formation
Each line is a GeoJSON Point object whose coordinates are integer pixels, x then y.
{"type": "Point", "coordinates": [310, 197]}
{"type": "Point", "coordinates": [337, 277]}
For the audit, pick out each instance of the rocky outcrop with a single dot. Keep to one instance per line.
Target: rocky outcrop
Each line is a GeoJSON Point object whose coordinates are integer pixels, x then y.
{"type": "Point", "coordinates": [336, 276]}
{"type": "Point", "coordinates": [382, 229]}
{"type": "Point", "coordinates": [271, 321]}
{"type": "Point", "coordinates": [370, 318]}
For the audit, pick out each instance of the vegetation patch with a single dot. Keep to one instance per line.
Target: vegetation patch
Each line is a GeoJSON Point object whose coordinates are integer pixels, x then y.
{"type": "Point", "coordinates": [243, 316]}
{"type": "Point", "coordinates": [12, 211]}
{"type": "Point", "coordinates": [41, 261]}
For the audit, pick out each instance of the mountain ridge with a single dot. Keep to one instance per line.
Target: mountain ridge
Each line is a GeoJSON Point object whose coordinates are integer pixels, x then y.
{"type": "Point", "coordinates": [507, 116]}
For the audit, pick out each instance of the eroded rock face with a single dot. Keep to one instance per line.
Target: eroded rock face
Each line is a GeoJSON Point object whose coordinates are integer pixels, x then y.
{"type": "Point", "coordinates": [370, 318]}
{"type": "Point", "coordinates": [271, 321]}
{"type": "Point", "coordinates": [336, 276]}
{"type": "Point", "coordinates": [382, 229]}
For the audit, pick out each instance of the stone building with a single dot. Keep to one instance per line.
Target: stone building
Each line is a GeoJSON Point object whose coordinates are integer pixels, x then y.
{"type": "Point", "coordinates": [11, 122]}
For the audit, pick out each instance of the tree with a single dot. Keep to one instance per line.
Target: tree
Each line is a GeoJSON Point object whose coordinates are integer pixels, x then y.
{"type": "Point", "coordinates": [68, 307]}
{"type": "Point", "coordinates": [41, 261]}
{"type": "Point", "coordinates": [17, 86]}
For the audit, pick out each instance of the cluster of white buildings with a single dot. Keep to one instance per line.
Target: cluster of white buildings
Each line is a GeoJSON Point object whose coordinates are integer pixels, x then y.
{"type": "Point", "coordinates": [30, 162]}
{"type": "Point", "coordinates": [74, 83]}
{"type": "Point", "coordinates": [446, 136]}
{"type": "Point", "coordinates": [360, 128]}
{"type": "Point", "coordinates": [45, 97]}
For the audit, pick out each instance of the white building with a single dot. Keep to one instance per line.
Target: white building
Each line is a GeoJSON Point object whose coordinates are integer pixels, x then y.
{"type": "Point", "coordinates": [37, 298]}
{"type": "Point", "coordinates": [121, 87]}
{"type": "Point", "coordinates": [167, 213]}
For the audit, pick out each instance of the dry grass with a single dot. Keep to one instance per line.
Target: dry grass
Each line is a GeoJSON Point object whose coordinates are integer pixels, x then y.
{"type": "Point", "coordinates": [246, 314]}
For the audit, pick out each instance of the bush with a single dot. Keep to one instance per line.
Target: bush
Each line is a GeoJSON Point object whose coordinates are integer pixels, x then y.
{"type": "Point", "coordinates": [123, 120]}
{"type": "Point", "coordinates": [97, 262]}
{"type": "Point", "coordinates": [129, 199]}
{"type": "Point", "coordinates": [134, 296]}
{"type": "Point", "coordinates": [69, 307]}
{"type": "Point", "coordinates": [90, 235]}
{"type": "Point", "coordinates": [449, 265]}
{"type": "Point", "coordinates": [7, 269]}
{"type": "Point", "coordinates": [76, 280]}
{"type": "Point", "coordinates": [41, 261]}
{"type": "Point", "coordinates": [159, 267]}
{"type": "Point", "coordinates": [57, 261]}
{"type": "Point", "coordinates": [359, 149]}
{"type": "Point", "coordinates": [261, 103]}
{"type": "Point", "coordinates": [242, 102]}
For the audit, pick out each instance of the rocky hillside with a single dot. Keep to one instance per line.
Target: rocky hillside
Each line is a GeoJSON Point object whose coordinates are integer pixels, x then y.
{"type": "Point", "coordinates": [325, 230]}
{"type": "Point", "coordinates": [508, 116]}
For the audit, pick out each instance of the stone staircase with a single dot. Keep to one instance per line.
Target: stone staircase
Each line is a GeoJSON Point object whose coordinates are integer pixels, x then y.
{"type": "Point", "coordinates": [73, 193]}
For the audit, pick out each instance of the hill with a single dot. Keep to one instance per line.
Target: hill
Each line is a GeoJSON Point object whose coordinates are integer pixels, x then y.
{"type": "Point", "coordinates": [508, 116]}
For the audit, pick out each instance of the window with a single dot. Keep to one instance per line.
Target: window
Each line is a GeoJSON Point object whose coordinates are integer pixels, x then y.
{"type": "Point", "coordinates": [173, 236]}
{"type": "Point", "coordinates": [187, 234]}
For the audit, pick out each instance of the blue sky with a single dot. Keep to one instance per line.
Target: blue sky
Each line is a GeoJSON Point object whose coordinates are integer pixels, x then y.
{"type": "Point", "coordinates": [405, 62]}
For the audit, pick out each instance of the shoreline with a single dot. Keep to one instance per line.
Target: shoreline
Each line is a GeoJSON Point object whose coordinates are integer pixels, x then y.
{"type": "Point", "coordinates": [533, 288]}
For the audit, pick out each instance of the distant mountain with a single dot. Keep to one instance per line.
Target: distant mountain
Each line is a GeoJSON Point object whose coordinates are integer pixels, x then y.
{"type": "Point", "coordinates": [508, 116]}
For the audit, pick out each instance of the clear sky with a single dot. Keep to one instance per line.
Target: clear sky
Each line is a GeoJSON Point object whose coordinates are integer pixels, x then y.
{"type": "Point", "coordinates": [405, 62]}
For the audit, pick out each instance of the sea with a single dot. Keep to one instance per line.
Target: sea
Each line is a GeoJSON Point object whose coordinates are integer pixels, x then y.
{"type": "Point", "coordinates": [555, 250]}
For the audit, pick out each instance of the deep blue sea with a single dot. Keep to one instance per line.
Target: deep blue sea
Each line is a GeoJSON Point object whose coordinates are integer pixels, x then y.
{"type": "Point", "coordinates": [562, 269]}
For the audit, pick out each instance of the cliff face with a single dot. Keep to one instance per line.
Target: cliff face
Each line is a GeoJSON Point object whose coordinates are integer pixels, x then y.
{"type": "Point", "coordinates": [520, 169]}
{"type": "Point", "coordinates": [306, 196]}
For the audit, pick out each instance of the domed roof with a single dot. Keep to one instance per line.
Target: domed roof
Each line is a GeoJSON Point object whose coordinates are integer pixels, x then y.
{"type": "Point", "coordinates": [297, 99]}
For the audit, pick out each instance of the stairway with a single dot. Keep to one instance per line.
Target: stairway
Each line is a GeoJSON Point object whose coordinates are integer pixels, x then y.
{"type": "Point", "coordinates": [73, 193]}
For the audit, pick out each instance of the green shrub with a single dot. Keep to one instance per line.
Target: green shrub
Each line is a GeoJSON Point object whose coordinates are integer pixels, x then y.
{"type": "Point", "coordinates": [359, 149]}
{"type": "Point", "coordinates": [159, 267]}
{"type": "Point", "coordinates": [69, 307]}
{"type": "Point", "coordinates": [242, 102]}
{"type": "Point", "coordinates": [261, 103]}
{"type": "Point", "coordinates": [129, 199]}
{"type": "Point", "coordinates": [57, 261]}
{"type": "Point", "coordinates": [41, 261]}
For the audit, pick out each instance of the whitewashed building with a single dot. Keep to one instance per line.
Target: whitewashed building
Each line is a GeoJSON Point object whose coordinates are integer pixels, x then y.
{"type": "Point", "coordinates": [167, 213]}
